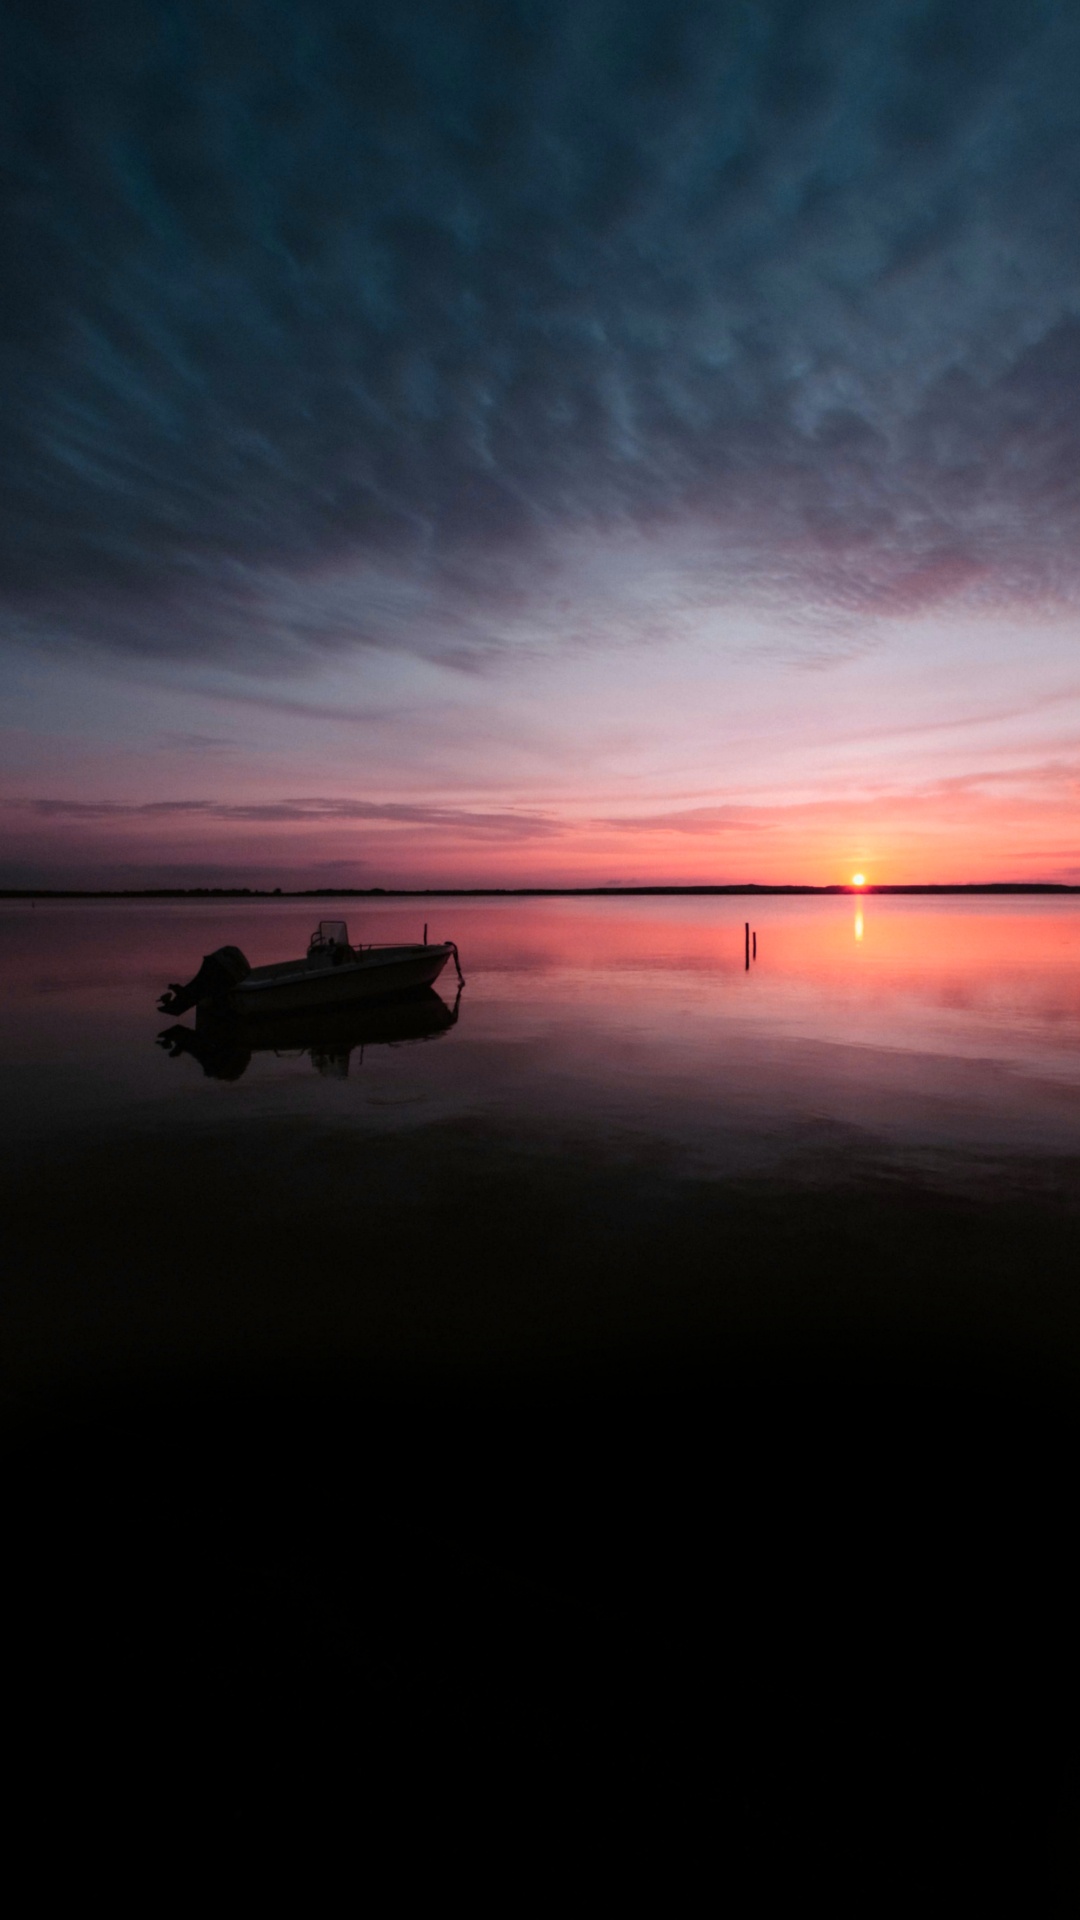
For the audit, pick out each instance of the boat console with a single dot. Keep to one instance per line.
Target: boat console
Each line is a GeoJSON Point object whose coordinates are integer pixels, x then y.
{"type": "Point", "coordinates": [329, 944]}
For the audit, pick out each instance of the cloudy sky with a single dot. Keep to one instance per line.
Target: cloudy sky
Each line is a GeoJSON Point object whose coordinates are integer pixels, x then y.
{"type": "Point", "coordinates": [479, 441]}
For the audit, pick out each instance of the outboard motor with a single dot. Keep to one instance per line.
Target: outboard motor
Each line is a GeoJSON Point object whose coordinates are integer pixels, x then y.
{"type": "Point", "coordinates": [219, 974]}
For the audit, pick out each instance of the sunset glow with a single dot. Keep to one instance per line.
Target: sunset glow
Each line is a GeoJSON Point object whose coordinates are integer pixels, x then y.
{"type": "Point", "coordinates": [540, 933]}
{"type": "Point", "coordinates": [391, 504]}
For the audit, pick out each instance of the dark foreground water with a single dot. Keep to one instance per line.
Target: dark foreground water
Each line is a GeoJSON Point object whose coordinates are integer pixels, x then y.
{"type": "Point", "coordinates": [642, 1393]}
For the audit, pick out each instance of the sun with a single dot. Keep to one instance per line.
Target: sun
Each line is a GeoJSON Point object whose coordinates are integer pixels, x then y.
{"type": "Point", "coordinates": [858, 879]}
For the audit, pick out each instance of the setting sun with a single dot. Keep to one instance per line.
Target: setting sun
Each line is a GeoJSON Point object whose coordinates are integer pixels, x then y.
{"type": "Point", "coordinates": [858, 879]}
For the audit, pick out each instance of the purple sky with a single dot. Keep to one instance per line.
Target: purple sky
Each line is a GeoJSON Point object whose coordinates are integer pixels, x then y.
{"type": "Point", "coordinates": [544, 443]}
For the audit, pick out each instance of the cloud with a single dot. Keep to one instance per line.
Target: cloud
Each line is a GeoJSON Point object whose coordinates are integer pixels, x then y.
{"type": "Point", "coordinates": [692, 820]}
{"type": "Point", "coordinates": [329, 326]}
{"type": "Point", "coordinates": [457, 820]}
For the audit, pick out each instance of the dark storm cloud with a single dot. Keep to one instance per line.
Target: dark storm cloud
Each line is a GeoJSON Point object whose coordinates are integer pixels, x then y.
{"type": "Point", "coordinates": [330, 324]}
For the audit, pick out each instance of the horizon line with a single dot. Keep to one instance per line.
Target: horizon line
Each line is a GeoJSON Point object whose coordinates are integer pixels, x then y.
{"type": "Point", "coordinates": [548, 893]}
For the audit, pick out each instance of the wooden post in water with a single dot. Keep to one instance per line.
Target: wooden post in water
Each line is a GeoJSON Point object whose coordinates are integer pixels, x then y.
{"type": "Point", "coordinates": [748, 946]}
{"type": "Point", "coordinates": [755, 946]}
{"type": "Point", "coordinates": [425, 933]}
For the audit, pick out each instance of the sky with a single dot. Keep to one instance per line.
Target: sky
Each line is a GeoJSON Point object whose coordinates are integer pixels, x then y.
{"type": "Point", "coordinates": [472, 442]}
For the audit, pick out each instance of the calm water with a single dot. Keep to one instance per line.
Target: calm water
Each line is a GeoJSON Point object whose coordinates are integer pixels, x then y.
{"type": "Point", "coordinates": [577, 1136]}
{"type": "Point", "coordinates": [650, 1377]}
{"type": "Point", "coordinates": [947, 1029]}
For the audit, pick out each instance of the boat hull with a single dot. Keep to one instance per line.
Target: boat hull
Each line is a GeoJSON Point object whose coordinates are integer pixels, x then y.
{"type": "Point", "coordinates": [375, 974]}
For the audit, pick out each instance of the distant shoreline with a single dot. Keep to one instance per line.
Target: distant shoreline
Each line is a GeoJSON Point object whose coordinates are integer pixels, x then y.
{"type": "Point", "coordinates": [509, 893]}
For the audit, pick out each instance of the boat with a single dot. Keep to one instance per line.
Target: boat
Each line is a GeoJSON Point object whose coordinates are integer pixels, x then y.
{"type": "Point", "coordinates": [333, 973]}
{"type": "Point", "coordinates": [223, 1043]}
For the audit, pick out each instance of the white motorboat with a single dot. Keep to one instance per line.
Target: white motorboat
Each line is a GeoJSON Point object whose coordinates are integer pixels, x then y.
{"type": "Point", "coordinates": [333, 973]}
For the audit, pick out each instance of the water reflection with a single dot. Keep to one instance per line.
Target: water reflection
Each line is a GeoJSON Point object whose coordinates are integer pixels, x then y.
{"type": "Point", "coordinates": [223, 1046]}
{"type": "Point", "coordinates": [956, 1024]}
{"type": "Point", "coordinates": [654, 1291]}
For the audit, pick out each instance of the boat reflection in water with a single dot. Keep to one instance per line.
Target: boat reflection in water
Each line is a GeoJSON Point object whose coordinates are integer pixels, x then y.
{"type": "Point", "coordinates": [224, 1044]}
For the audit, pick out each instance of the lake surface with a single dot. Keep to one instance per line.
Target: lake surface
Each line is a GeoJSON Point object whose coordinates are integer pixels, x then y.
{"type": "Point", "coordinates": [609, 1062]}
{"type": "Point", "coordinates": [918, 1025]}
{"type": "Point", "coordinates": [645, 1354]}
